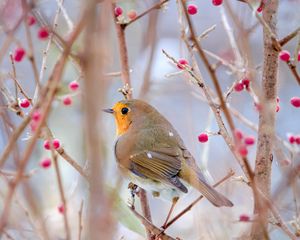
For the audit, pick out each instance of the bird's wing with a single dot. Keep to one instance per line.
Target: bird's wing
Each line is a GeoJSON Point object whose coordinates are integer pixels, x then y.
{"type": "Point", "coordinates": [161, 165]}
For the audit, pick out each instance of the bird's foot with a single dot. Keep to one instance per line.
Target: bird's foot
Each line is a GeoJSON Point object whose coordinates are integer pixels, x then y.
{"type": "Point", "coordinates": [133, 191]}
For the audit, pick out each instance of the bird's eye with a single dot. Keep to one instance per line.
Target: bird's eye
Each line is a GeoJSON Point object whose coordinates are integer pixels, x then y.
{"type": "Point", "coordinates": [124, 110]}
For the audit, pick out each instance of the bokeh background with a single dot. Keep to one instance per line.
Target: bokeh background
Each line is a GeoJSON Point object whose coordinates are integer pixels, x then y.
{"type": "Point", "coordinates": [175, 95]}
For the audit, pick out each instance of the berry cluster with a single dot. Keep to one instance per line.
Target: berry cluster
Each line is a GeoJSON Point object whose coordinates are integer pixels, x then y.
{"type": "Point", "coordinates": [131, 14]}
{"type": "Point", "coordinates": [241, 85]}
{"type": "Point", "coordinates": [243, 142]}
{"type": "Point", "coordinates": [43, 34]}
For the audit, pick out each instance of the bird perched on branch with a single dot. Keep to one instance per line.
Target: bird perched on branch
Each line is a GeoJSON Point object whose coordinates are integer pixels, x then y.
{"type": "Point", "coordinates": [151, 153]}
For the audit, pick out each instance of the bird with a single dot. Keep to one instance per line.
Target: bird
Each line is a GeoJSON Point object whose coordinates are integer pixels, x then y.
{"type": "Point", "coordinates": [152, 155]}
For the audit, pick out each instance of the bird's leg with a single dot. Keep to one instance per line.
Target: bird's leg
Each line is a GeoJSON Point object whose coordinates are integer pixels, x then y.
{"type": "Point", "coordinates": [174, 201]}
{"type": "Point", "coordinates": [133, 190]}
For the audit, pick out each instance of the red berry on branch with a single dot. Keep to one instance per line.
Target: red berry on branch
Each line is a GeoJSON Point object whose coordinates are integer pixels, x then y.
{"type": "Point", "coordinates": [31, 20]}
{"type": "Point", "coordinates": [182, 62]}
{"type": "Point", "coordinates": [217, 2]}
{"type": "Point", "coordinates": [131, 14]}
{"type": "Point", "coordinates": [43, 33]}
{"type": "Point", "coordinates": [250, 140]}
{"type": "Point", "coordinates": [238, 87]}
{"type": "Point", "coordinates": [192, 9]}
{"type": "Point", "coordinates": [73, 86]}
{"type": "Point", "coordinates": [295, 101]}
{"type": "Point", "coordinates": [19, 53]}
{"type": "Point", "coordinates": [36, 116]}
{"type": "Point", "coordinates": [47, 145]}
{"type": "Point", "coordinates": [56, 143]}
{"type": "Point", "coordinates": [118, 11]}
{"type": "Point", "coordinates": [244, 218]}
{"type": "Point", "coordinates": [203, 137]}
{"type": "Point", "coordinates": [291, 139]}
{"type": "Point", "coordinates": [238, 134]}
{"type": "Point", "coordinates": [297, 139]}
{"type": "Point", "coordinates": [243, 151]}
{"type": "Point", "coordinates": [67, 101]}
{"type": "Point", "coordinates": [284, 55]}
{"type": "Point", "coordinates": [61, 208]}
{"type": "Point", "coordinates": [45, 163]}
{"type": "Point", "coordinates": [246, 83]}
{"type": "Point", "coordinates": [24, 103]}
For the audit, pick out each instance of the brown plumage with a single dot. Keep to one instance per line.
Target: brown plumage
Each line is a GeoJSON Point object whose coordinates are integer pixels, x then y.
{"type": "Point", "coordinates": [151, 153]}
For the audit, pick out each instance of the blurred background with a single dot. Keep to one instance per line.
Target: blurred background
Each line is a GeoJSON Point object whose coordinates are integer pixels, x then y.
{"type": "Point", "coordinates": [168, 89]}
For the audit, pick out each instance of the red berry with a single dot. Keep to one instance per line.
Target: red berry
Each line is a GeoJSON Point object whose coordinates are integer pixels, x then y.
{"type": "Point", "coordinates": [291, 139]}
{"type": "Point", "coordinates": [203, 137]}
{"type": "Point", "coordinates": [217, 2]}
{"type": "Point", "coordinates": [56, 143]}
{"type": "Point", "coordinates": [61, 209]}
{"type": "Point", "coordinates": [73, 86]}
{"type": "Point", "coordinates": [131, 14]}
{"type": "Point", "coordinates": [243, 151]}
{"type": "Point", "coordinates": [246, 83]}
{"type": "Point", "coordinates": [299, 56]}
{"type": "Point", "coordinates": [259, 9]}
{"type": "Point", "coordinates": [244, 218]}
{"type": "Point", "coordinates": [19, 54]}
{"type": "Point", "coordinates": [277, 99]}
{"type": "Point", "coordinates": [295, 101]}
{"type": "Point", "coordinates": [47, 145]}
{"type": "Point", "coordinates": [24, 103]}
{"type": "Point", "coordinates": [43, 33]}
{"type": "Point", "coordinates": [118, 11]}
{"type": "Point", "coordinates": [277, 108]}
{"type": "Point", "coordinates": [67, 101]}
{"type": "Point", "coordinates": [45, 163]}
{"type": "Point", "coordinates": [31, 20]}
{"type": "Point", "coordinates": [238, 134]}
{"type": "Point", "coordinates": [182, 62]}
{"type": "Point", "coordinates": [297, 139]}
{"type": "Point", "coordinates": [192, 9]}
{"type": "Point", "coordinates": [239, 87]}
{"type": "Point", "coordinates": [250, 140]}
{"type": "Point", "coordinates": [284, 55]}
{"type": "Point", "coordinates": [36, 116]}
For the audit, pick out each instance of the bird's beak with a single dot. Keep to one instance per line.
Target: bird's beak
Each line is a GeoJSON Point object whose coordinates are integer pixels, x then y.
{"type": "Point", "coordinates": [108, 110]}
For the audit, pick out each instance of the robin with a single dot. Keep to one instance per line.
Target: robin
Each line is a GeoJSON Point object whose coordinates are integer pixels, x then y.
{"type": "Point", "coordinates": [153, 156]}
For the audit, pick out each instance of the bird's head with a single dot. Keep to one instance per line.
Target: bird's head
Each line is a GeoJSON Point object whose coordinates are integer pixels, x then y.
{"type": "Point", "coordinates": [128, 112]}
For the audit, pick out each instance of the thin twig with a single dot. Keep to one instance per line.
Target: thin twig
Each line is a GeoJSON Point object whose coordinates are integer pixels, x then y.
{"type": "Point", "coordinates": [289, 37]}
{"type": "Point", "coordinates": [30, 52]}
{"type": "Point", "coordinates": [189, 207]}
{"type": "Point", "coordinates": [145, 208]}
{"type": "Point", "coordinates": [156, 6]}
{"type": "Point", "coordinates": [14, 75]}
{"type": "Point", "coordinates": [80, 226]}
{"type": "Point", "coordinates": [151, 228]}
{"type": "Point", "coordinates": [125, 74]}
{"type": "Point", "coordinates": [62, 194]}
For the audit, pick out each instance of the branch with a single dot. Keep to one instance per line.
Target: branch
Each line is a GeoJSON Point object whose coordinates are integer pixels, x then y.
{"type": "Point", "coordinates": [151, 228]}
{"type": "Point", "coordinates": [123, 52]}
{"type": "Point", "coordinates": [189, 207]}
{"type": "Point", "coordinates": [264, 156]}
{"type": "Point", "coordinates": [289, 37]}
{"type": "Point", "coordinates": [156, 6]}
{"type": "Point", "coordinates": [62, 194]}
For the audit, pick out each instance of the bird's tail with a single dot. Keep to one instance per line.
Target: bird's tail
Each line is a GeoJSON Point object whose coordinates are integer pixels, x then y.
{"type": "Point", "coordinates": [197, 180]}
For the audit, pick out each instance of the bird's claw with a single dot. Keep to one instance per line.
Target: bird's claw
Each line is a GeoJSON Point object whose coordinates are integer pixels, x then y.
{"type": "Point", "coordinates": [133, 191]}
